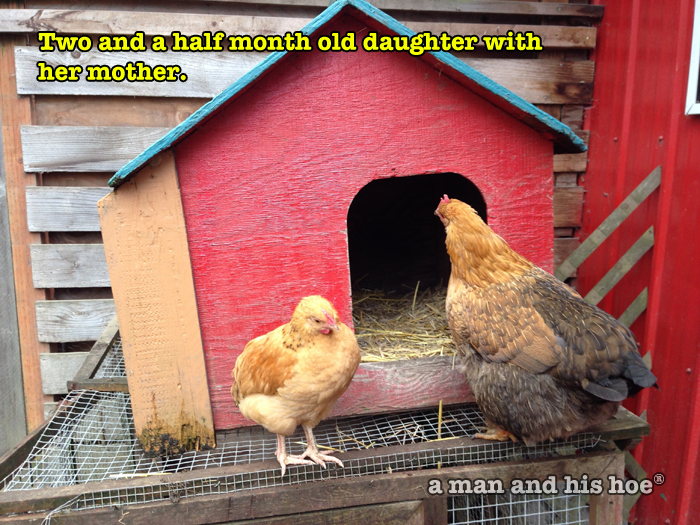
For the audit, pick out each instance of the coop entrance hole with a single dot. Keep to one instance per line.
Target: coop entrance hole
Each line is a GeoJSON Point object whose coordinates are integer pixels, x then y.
{"type": "Point", "coordinates": [399, 265]}
{"type": "Point", "coordinates": [394, 238]}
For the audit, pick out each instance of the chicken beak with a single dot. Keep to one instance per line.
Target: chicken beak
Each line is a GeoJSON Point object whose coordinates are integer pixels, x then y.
{"type": "Point", "coordinates": [331, 323]}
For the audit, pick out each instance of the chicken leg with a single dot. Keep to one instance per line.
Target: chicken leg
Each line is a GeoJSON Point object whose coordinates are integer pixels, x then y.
{"type": "Point", "coordinates": [285, 459]}
{"type": "Point", "coordinates": [312, 450]}
{"type": "Point", "coordinates": [496, 434]}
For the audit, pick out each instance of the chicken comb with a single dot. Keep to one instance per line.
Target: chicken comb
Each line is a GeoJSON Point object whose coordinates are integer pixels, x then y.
{"type": "Point", "coordinates": [445, 199]}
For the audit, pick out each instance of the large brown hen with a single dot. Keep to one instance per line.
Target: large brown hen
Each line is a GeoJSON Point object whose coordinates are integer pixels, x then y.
{"type": "Point", "coordinates": [542, 363]}
{"type": "Point", "coordinates": [294, 375]}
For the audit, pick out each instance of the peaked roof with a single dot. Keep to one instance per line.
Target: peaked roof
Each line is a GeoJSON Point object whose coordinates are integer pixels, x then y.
{"type": "Point", "coordinates": [549, 127]}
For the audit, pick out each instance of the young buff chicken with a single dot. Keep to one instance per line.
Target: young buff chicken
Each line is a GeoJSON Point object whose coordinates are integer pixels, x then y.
{"type": "Point", "coordinates": [542, 362]}
{"type": "Point", "coordinates": [294, 375]}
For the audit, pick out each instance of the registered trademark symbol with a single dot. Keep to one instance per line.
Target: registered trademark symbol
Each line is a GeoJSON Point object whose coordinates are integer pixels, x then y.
{"type": "Point", "coordinates": [659, 479]}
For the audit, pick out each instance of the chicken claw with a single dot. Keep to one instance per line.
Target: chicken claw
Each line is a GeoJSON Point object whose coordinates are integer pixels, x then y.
{"type": "Point", "coordinates": [497, 434]}
{"type": "Point", "coordinates": [313, 453]}
{"type": "Point", "coordinates": [285, 459]}
{"type": "Point", "coordinates": [319, 458]}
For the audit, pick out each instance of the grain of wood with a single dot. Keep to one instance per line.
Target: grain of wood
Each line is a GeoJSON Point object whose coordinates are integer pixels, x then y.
{"type": "Point", "coordinates": [102, 148]}
{"type": "Point", "coordinates": [517, 7]}
{"type": "Point", "coordinates": [294, 499]}
{"type": "Point", "coordinates": [12, 414]}
{"type": "Point", "coordinates": [563, 247]}
{"type": "Point", "coordinates": [50, 408]}
{"type": "Point", "coordinates": [537, 81]}
{"type": "Point", "coordinates": [576, 162]}
{"type": "Point", "coordinates": [572, 116]}
{"type": "Point", "coordinates": [403, 385]}
{"type": "Point", "coordinates": [566, 179]}
{"type": "Point", "coordinates": [157, 309]}
{"type": "Point", "coordinates": [75, 110]}
{"type": "Point", "coordinates": [64, 209]}
{"type": "Point", "coordinates": [98, 351]}
{"type": "Point", "coordinates": [14, 112]}
{"type": "Point", "coordinates": [69, 321]}
{"type": "Point", "coordinates": [401, 513]}
{"type": "Point", "coordinates": [606, 508]}
{"type": "Point", "coordinates": [568, 206]}
{"type": "Point", "coordinates": [69, 266]}
{"type": "Point", "coordinates": [77, 148]}
{"type": "Point", "coordinates": [57, 369]}
{"type": "Point", "coordinates": [127, 23]}
{"type": "Point", "coordinates": [626, 207]}
{"type": "Point", "coordinates": [624, 265]}
{"type": "Point", "coordinates": [634, 310]}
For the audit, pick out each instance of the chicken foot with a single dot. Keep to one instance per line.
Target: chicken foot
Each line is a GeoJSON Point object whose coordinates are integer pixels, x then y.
{"type": "Point", "coordinates": [285, 459]}
{"type": "Point", "coordinates": [497, 434]}
{"type": "Point", "coordinates": [312, 450]}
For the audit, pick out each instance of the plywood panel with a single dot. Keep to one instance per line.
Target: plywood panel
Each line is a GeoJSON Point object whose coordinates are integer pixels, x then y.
{"type": "Point", "coordinates": [69, 266]}
{"type": "Point", "coordinates": [146, 241]}
{"type": "Point", "coordinates": [51, 209]}
{"type": "Point", "coordinates": [69, 321]}
{"type": "Point", "coordinates": [287, 184]}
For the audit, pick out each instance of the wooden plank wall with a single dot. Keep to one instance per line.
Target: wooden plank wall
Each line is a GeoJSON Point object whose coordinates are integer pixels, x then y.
{"type": "Point", "coordinates": [74, 135]}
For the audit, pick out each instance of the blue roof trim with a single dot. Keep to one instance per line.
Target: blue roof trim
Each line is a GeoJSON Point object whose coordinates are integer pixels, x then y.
{"type": "Point", "coordinates": [536, 117]}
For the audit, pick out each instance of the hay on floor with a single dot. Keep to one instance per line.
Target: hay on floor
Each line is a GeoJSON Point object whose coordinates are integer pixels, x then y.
{"type": "Point", "coordinates": [397, 325]}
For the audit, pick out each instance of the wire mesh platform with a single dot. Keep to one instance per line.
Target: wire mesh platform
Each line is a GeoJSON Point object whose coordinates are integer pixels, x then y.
{"type": "Point", "coordinates": [91, 438]}
{"type": "Point", "coordinates": [518, 509]}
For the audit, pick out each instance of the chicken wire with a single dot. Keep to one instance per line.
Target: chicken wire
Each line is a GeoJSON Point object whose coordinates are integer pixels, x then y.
{"type": "Point", "coordinates": [518, 509]}
{"type": "Point", "coordinates": [91, 438]}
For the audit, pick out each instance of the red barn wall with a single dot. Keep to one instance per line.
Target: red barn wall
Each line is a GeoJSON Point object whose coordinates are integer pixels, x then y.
{"type": "Point", "coordinates": [267, 184]}
{"type": "Point", "coordinates": [637, 122]}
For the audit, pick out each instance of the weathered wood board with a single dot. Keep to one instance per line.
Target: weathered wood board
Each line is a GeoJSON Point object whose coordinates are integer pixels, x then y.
{"type": "Point", "coordinates": [12, 414]}
{"type": "Point", "coordinates": [63, 209]}
{"type": "Point", "coordinates": [69, 266]}
{"type": "Point", "coordinates": [568, 206]}
{"type": "Point", "coordinates": [152, 23]}
{"type": "Point", "coordinates": [14, 112]}
{"type": "Point", "coordinates": [58, 369]}
{"type": "Point", "coordinates": [146, 241]}
{"type": "Point", "coordinates": [69, 321]}
{"type": "Point", "coordinates": [50, 148]}
{"type": "Point", "coordinates": [537, 81]}
{"type": "Point", "coordinates": [313, 497]}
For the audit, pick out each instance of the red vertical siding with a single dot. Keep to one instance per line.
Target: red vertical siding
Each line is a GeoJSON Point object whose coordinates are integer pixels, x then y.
{"type": "Point", "coordinates": [637, 122]}
{"type": "Point", "coordinates": [267, 184]}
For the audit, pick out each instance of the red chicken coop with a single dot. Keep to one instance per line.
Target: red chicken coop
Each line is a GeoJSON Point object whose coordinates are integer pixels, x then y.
{"type": "Point", "coordinates": [316, 173]}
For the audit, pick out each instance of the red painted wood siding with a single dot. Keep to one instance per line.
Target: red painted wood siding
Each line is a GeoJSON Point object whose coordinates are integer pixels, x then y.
{"type": "Point", "coordinates": [637, 122]}
{"type": "Point", "coordinates": [267, 184]}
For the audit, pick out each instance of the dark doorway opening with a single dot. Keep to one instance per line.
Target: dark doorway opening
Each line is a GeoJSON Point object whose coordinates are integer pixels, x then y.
{"type": "Point", "coordinates": [394, 238]}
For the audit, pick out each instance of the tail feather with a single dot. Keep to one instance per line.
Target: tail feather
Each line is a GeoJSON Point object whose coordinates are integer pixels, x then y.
{"type": "Point", "coordinates": [638, 373]}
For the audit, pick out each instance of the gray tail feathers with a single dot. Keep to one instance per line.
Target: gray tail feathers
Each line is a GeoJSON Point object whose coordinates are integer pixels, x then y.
{"type": "Point", "coordinates": [635, 377]}
{"type": "Point", "coordinates": [638, 373]}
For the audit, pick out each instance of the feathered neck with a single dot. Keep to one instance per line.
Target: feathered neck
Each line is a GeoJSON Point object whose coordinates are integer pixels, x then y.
{"type": "Point", "coordinates": [480, 257]}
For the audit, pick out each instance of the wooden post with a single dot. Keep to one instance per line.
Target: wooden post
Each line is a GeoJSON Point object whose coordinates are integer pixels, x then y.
{"type": "Point", "coordinates": [14, 112]}
{"type": "Point", "coordinates": [143, 227]}
{"type": "Point", "coordinates": [606, 509]}
{"type": "Point", "coordinates": [12, 413]}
